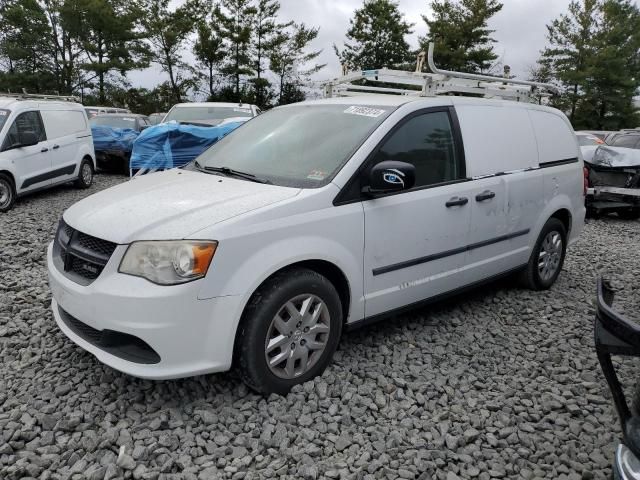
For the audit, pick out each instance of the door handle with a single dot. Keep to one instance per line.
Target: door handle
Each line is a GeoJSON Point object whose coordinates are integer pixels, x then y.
{"type": "Point", "coordinates": [486, 195]}
{"type": "Point", "coordinates": [55, 147]}
{"type": "Point", "coordinates": [44, 149]}
{"type": "Point", "coordinates": [457, 202]}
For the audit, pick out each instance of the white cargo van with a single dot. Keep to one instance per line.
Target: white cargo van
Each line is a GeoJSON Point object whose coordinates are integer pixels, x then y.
{"type": "Point", "coordinates": [311, 219]}
{"type": "Point", "coordinates": [42, 143]}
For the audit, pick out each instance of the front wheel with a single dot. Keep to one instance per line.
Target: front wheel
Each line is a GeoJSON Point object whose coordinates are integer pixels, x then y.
{"type": "Point", "coordinates": [85, 176]}
{"type": "Point", "coordinates": [289, 331]}
{"type": "Point", "coordinates": [547, 257]}
{"type": "Point", "coordinates": [7, 193]}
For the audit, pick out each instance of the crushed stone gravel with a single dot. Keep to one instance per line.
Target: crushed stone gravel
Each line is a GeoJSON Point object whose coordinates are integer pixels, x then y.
{"type": "Point", "coordinates": [502, 383]}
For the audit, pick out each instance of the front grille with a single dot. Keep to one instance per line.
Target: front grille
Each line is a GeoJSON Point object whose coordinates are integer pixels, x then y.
{"type": "Point", "coordinates": [121, 345]}
{"type": "Point", "coordinates": [79, 256]}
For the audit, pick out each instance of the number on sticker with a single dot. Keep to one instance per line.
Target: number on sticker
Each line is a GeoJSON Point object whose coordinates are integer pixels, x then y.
{"type": "Point", "coordinates": [365, 111]}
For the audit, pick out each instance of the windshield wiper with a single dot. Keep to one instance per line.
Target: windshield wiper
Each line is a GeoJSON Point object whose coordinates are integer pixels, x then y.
{"type": "Point", "coordinates": [234, 173]}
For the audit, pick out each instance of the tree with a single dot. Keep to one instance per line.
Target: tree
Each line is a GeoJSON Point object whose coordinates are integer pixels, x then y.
{"type": "Point", "coordinates": [593, 53]}
{"type": "Point", "coordinates": [109, 39]}
{"type": "Point", "coordinates": [235, 26]}
{"type": "Point", "coordinates": [289, 59]}
{"type": "Point", "coordinates": [570, 48]}
{"type": "Point", "coordinates": [377, 35]}
{"type": "Point", "coordinates": [167, 32]}
{"type": "Point", "coordinates": [265, 39]}
{"type": "Point", "coordinates": [459, 28]}
{"type": "Point", "coordinates": [25, 51]}
{"type": "Point", "coordinates": [208, 50]}
{"type": "Point", "coordinates": [614, 69]}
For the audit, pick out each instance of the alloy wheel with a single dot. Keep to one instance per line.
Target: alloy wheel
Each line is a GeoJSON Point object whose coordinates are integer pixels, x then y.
{"type": "Point", "coordinates": [87, 174]}
{"type": "Point", "coordinates": [5, 194]}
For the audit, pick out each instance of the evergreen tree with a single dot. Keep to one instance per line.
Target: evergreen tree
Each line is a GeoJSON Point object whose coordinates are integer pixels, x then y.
{"type": "Point", "coordinates": [266, 36]}
{"type": "Point", "coordinates": [376, 37]}
{"type": "Point", "coordinates": [109, 39]}
{"type": "Point", "coordinates": [459, 28]}
{"type": "Point", "coordinates": [168, 32]}
{"type": "Point", "coordinates": [570, 48]}
{"type": "Point", "coordinates": [234, 20]}
{"type": "Point", "coordinates": [614, 70]}
{"type": "Point", "coordinates": [25, 50]}
{"type": "Point", "coordinates": [290, 60]}
{"type": "Point", "coordinates": [208, 50]}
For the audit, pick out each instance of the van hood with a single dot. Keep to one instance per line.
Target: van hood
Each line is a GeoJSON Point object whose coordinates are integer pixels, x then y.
{"type": "Point", "coordinates": [169, 205]}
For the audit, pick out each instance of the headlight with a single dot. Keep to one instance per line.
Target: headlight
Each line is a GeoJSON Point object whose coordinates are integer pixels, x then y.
{"type": "Point", "coordinates": [168, 263]}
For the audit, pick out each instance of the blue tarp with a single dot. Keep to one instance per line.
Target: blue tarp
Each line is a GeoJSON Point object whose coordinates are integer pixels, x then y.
{"type": "Point", "coordinates": [170, 145]}
{"type": "Point", "coordinates": [114, 139]}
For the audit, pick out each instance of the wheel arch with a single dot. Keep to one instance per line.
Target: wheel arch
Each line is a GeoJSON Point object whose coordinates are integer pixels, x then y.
{"type": "Point", "coordinates": [564, 215]}
{"type": "Point", "coordinates": [12, 179]}
{"type": "Point", "coordinates": [325, 268]}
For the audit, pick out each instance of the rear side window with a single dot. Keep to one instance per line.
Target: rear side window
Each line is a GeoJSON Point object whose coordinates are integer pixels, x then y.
{"type": "Point", "coordinates": [27, 121]}
{"type": "Point", "coordinates": [61, 123]}
{"type": "Point", "coordinates": [627, 141]}
{"type": "Point", "coordinates": [4, 115]}
{"type": "Point", "coordinates": [426, 141]}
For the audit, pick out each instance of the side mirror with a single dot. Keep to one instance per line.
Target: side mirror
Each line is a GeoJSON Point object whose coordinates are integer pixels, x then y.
{"type": "Point", "coordinates": [390, 176]}
{"type": "Point", "coordinates": [27, 138]}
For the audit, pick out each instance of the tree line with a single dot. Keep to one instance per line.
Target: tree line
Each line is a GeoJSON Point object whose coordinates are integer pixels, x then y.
{"type": "Point", "coordinates": [241, 50]}
{"type": "Point", "coordinates": [592, 51]}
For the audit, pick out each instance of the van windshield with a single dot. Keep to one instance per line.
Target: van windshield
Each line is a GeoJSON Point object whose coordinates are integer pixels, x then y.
{"type": "Point", "coordinates": [114, 121]}
{"type": "Point", "coordinates": [300, 146]}
{"type": "Point", "coordinates": [4, 114]}
{"type": "Point", "coordinates": [190, 114]}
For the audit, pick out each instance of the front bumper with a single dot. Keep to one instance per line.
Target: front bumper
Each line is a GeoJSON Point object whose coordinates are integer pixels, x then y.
{"type": "Point", "coordinates": [190, 336]}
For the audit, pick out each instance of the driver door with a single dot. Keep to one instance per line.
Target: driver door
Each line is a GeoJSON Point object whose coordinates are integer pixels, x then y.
{"type": "Point", "coordinates": [32, 164]}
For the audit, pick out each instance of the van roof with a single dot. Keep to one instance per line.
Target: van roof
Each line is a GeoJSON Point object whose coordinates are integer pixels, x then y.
{"type": "Point", "coordinates": [436, 101]}
{"type": "Point", "coordinates": [11, 102]}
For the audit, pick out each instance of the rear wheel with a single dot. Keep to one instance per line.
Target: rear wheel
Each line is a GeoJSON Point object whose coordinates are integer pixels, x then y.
{"type": "Point", "coordinates": [7, 193]}
{"type": "Point", "coordinates": [547, 257]}
{"type": "Point", "coordinates": [289, 331]}
{"type": "Point", "coordinates": [85, 176]}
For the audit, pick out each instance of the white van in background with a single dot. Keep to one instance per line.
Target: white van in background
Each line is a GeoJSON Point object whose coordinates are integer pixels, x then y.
{"type": "Point", "coordinates": [42, 143]}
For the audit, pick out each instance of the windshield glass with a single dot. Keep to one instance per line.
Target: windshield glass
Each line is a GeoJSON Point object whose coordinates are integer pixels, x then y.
{"type": "Point", "coordinates": [4, 114]}
{"type": "Point", "coordinates": [114, 121]}
{"type": "Point", "coordinates": [189, 114]}
{"type": "Point", "coordinates": [300, 146]}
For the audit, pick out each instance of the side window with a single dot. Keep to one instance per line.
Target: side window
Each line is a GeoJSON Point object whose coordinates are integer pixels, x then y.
{"type": "Point", "coordinates": [628, 141]}
{"type": "Point", "coordinates": [427, 142]}
{"type": "Point", "coordinates": [27, 121]}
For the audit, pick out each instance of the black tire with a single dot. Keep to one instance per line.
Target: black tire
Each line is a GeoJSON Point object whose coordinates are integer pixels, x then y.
{"type": "Point", "coordinates": [7, 193]}
{"type": "Point", "coordinates": [256, 326]}
{"type": "Point", "coordinates": [84, 179]}
{"type": "Point", "coordinates": [531, 276]}
{"type": "Point", "coordinates": [126, 162]}
{"type": "Point", "coordinates": [631, 214]}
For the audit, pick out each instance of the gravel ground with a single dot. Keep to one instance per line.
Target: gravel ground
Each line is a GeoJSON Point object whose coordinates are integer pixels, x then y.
{"type": "Point", "coordinates": [503, 383]}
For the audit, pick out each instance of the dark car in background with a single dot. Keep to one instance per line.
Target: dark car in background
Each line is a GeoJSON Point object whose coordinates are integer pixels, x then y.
{"type": "Point", "coordinates": [113, 137]}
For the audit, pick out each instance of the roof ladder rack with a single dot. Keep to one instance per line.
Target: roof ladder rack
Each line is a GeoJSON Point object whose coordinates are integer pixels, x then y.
{"type": "Point", "coordinates": [439, 82]}
{"type": "Point", "coordinates": [37, 96]}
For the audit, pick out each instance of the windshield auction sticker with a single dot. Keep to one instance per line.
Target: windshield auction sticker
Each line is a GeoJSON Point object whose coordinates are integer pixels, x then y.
{"type": "Point", "coordinates": [365, 111]}
{"type": "Point", "coordinates": [317, 175]}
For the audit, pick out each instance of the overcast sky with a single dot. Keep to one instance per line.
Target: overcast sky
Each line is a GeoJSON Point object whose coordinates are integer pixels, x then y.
{"type": "Point", "coordinates": [520, 31]}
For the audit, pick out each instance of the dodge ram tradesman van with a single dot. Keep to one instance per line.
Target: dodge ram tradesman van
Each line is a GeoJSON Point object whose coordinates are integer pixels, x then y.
{"type": "Point", "coordinates": [42, 143]}
{"type": "Point", "coordinates": [310, 219]}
